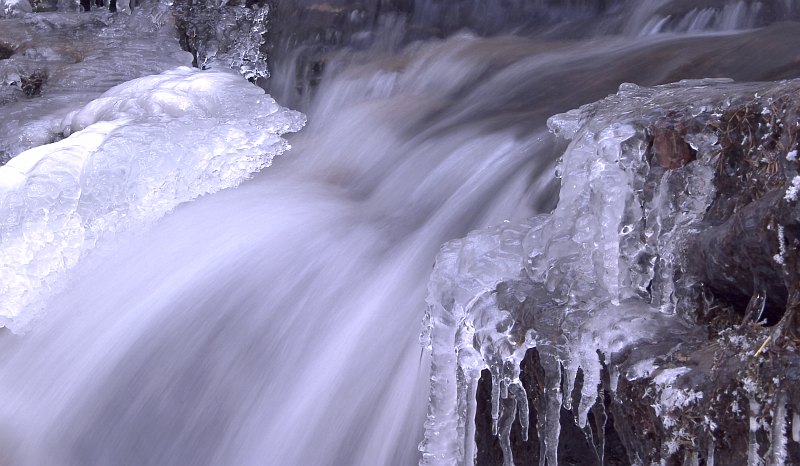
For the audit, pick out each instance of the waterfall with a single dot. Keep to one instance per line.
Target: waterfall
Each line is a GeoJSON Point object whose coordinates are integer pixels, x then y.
{"type": "Point", "coordinates": [276, 321]}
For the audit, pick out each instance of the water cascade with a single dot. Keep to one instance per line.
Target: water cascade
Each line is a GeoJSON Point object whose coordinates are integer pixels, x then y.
{"type": "Point", "coordinates": [277, 320]}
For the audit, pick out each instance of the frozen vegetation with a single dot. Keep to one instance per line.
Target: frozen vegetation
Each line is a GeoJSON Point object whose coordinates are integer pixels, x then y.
{"type": "Point", "coordinates": [605, 288]}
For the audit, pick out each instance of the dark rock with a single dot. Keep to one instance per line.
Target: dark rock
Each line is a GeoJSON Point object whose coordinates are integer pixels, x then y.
{"type": "Point", "coordinates": [732, 389]}
{"type": "Point", "coordinates": [5, 51]}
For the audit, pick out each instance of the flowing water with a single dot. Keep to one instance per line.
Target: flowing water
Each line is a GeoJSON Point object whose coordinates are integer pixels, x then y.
{"type": "Point", "coordinates": [278, 322]}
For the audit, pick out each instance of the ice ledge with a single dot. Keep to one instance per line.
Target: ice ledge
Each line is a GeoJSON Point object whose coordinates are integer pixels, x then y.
{"type": "Point", "coordinates": [607, 285]}
{"type": "Point", "coordinates": [132, 155]}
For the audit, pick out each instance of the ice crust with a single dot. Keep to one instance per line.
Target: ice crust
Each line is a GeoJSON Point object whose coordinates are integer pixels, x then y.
{"type": "Point", "coordinates": [582, 285]}
{"type": "Point", "coordinates": [132, 155]}
{"type": "Point", "coordinates": [114, 49]}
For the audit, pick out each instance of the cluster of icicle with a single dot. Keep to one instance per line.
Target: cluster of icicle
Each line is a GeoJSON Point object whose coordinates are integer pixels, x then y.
{"type": "Point", "coordinates": [132, 155]}
{"type": "Point", "coordinates": [225, 34]}
{"type": "Point", "coordinates": [581, 284]}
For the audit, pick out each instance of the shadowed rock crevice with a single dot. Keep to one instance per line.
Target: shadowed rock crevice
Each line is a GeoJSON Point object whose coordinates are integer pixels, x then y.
{"type": "Point", "coordinates": [5, 51]}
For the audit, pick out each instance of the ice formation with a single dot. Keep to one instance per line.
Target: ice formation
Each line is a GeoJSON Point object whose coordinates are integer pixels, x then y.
{"type": "Point", "coordinates": [600, 275]}
{"type": "Point", "coordinates": [45, 75]}
{"type": "Point", "coordinates": [14, 7]}
{"type": "Point", "coordinates": [132, 155]}
{"type": "Point", "coordinates": [225, 34]}
{"type": "Point", "coordinates": [792, 191]}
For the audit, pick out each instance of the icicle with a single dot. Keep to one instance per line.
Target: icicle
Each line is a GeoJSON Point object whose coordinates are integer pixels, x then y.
{"type": "Point", "coordinates": [796, 427]}
{"type": "Point", "coordinates": [591, 381]}
{"type": "Point", "coordinates": [507, 421]}
{"type": "Point", "coordinates": [470, 449]}
{"type": "Point", "coordinates": [570, 376]}
{"type": "Point", "coordinates": [691, 458]}
{"type": "Point", "coordinates": [752, 441]}
{"type": "Point", "coordinates": [470, 364]}
{"type": "Point", "coordinates": [712, 448]}
{"type": "Point", "coordinates": [461, 407]}
{"type": "Point", "coordinates": [552, 422]}
{"type": "Point", "coordinates": [613, 379]}
{"type": "Point", "coordinates": [523, 411]}
{"type": "Point", "coordinates": [553, 431]}
{"type": "Point", "coordinates": [600, 420]}
{"type": "Point", "coordinates": [541, 427]}
{"type": "Point", "coordinates": [777, 437]}
{"type": "Point", "coordinates": [495, 402]}
{"type": "Point", "coordinates": [567, 280]}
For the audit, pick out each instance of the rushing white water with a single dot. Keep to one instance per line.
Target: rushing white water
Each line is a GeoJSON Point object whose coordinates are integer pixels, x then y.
{"type": "Point", "coordinates": [277, 323]}
{"type": "Point", "coordinates": [248, 327]}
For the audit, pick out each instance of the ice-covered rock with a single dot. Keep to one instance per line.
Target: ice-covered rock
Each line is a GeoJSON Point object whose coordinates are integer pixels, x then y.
{"type": "Point", "coordinates": [603, 284]}
{"type": "Point", "coordinates": [132, 155]}
{"type": "Point", "coordinates": [14, 7]}
{"type": "Point", "coordinates": [45, 75]}
{"type": "Point", "coordinates": [224, 34]}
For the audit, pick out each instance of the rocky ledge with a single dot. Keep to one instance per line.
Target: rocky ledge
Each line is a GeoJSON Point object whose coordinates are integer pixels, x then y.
{"type": "Point", "coordinates": [652, 316]}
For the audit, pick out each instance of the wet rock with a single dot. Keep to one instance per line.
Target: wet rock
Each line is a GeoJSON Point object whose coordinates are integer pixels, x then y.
{"type": "Point", "coordinates": [5, 51]}
{"type": "Point", "coordinates": [31, 84]}
{"type": "Point", "coordinates": [670, 150]}
{"type": "Point", "coordinates": [730, 392]}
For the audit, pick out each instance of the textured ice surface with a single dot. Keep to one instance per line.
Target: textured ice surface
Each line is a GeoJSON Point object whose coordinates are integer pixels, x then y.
{"type": "Point", "coordinates": [108, 136]}
{"type": "Point", "coordinates": [225, 34]}
{"type": "Point", "coordinates": [132, 155]}
{"type": "Point", "coordinates": [61, 61]}
{"type": "Point", "coordinates": [599, 275]}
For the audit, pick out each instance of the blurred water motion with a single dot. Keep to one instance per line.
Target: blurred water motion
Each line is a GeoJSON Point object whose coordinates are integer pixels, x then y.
{"type": "Point", "coordinates": [277, 323]}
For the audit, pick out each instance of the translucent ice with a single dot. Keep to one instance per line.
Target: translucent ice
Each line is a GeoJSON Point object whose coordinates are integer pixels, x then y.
{"type": "Point", "coordinates": [599, 275]}
{"type": "Point", "coordinates": [224, 34]}
{"type": "Point", "coordinates": [132, 155]}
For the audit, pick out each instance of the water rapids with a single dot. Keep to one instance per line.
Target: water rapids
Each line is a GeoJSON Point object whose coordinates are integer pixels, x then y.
{"type": "Point", "coordinates": [277, 322]}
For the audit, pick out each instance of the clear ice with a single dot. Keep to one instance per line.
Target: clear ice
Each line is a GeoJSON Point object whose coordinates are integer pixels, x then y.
{"type": "Point", "coordinates": [599, 275]}
{"type": "Point", "coordinates": [225, 35]}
